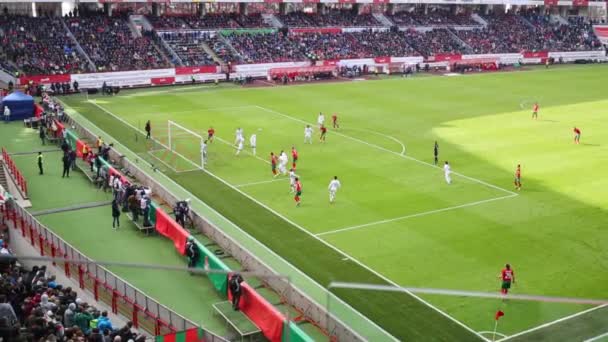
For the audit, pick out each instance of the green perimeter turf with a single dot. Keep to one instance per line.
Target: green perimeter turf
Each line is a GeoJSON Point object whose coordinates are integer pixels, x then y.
{"type": "Point", "coordinates": [483, 125]}
{"type": "Point", "coordinates": [191, 296]}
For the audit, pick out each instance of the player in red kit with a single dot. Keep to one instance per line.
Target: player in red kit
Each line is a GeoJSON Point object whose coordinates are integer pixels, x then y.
{"type": "Point", "coordinates": [334, 120]}
{"type": "Point", "coordinates": [323, 133]}
{"type": "Point", "coordinates": [273, 163]}
{"type": "Point", "coordinates": [518, 177]}
{"type": "Point", "coordinates": [298, 187]}
{"type": "Point", "coordinates": [294, 156]}
{"type": "Point", "coordinates": [507, 275]}
{"type": "Point", "coordinates": [577, 135]}
{"type": "Point", "coordinates": [535, 111]}
{"type": "Point", "coordinates": [210, 134]}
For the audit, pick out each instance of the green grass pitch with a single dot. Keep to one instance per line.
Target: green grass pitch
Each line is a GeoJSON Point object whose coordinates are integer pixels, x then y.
{"type": "Point", "coordinates": [395, 216]}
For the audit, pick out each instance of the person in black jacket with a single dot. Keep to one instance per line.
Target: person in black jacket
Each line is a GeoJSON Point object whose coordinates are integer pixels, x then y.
{"type": "Point", "coordinates": [234, 285]}
{"type": "Point", "coordinates": [192, 253]}
{"type": "Point", "coordinates": [66, 165]}
{"type": "Point", "coordinates": [40, 163]}
{"type": "Point", "coordinates": [115, 215]}
{"type": "Point", "coordinates": [148, 129]}
{"type": "Point", "coordinates": [42, 134]}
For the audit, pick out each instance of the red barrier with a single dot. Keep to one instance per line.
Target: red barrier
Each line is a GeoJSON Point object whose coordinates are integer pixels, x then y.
{"type": "Point", "coordinates": [115, 173]}
{"type": "Point", "coordinates": [45, 79]}
{"type": "Point", "coordinates": [162, 80]}
{"type": "Point", "coordinates": [207, 69]}
{"type": "Point", "coordinates": [167, 227]}
{"type": "Point", "coordinates": [333, 30]}
{"type": "Point", "coordinates": [262, 313]}
{"type": "Point", "coordinates": [551, 2]}
{"type": "Point", "coordinates": [537, 54]}
{"type": "Point", "coordinates": [382, 60]}
{"type": "Point", "coordinates": [17, 175]}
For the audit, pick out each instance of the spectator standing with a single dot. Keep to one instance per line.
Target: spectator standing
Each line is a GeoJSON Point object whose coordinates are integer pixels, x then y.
{"type": "Point", "coordinates": [72, 156]}
{"type": "Point", "coordinates": [99, 144]}
{"type": "Point", "coordinates": [192, 253]}
{"type": "Point", "coordinates": [66, 165]}
{"type": "Point", "coordinates": [134, 206]}
{"type": "Point", "coordinates": [7, 114]}
{"type": "Point", "coordinates": [148, 129]}
{"type": "Point", "coordinates": [68, 315]}
{"type": "Point", "coordinates": [115, 214]}
{"type": "Point", "coordinates": [40, 160]}
{"type": "Point", "coordinates": [42, 134]}
{"type": "Point", "coordinates": [104, 323]}
{"type": "Point", "coordinates": [235, 290]}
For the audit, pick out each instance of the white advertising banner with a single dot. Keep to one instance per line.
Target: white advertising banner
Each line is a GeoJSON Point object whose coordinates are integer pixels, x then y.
{"type": "Point", "coordinates": [408, 60]}
{"type": "Point", "coordinates": [261, 70]}
{"type": "Point", "coordinates": [574, 55]}
{"type": "Point", "coordinates": [358, 62]}
{"type": "Point", "coordinates": [121, 79]}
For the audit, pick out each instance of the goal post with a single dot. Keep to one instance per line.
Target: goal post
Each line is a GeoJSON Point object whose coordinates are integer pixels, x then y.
{"type": "Point", "coordinates": [186, 144]}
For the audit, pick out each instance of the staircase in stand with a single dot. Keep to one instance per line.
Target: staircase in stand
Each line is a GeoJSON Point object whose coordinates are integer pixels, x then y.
{"type": "Point", "coordinates": [382, 19]}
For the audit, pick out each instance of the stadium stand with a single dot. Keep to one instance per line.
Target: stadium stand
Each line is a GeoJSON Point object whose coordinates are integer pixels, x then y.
{"type": "Point", "coordinates": [112, 46]}
{"type": "Point", "coordinates": [39, 46]}
{"type": "Point", "coordinates": [265, 47]}
{"type": "Point", "coordinates": [188, 46]}
{"type": "Point", "coordinates": [331, 18]}
{"type": "Point", "coordinates": [434, 17]}
{"type": "Point", "coordinates": [433, 41]}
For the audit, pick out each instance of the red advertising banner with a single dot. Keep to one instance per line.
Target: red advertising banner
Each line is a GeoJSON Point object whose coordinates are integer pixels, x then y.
{"type": "Point", "coordinates": [263, 314]}
{"type": "Point", "coordinates": [311, 1]}
{"type": "Point", "coordinates": [538, 54]}
{"type": "Point", "coordinates": [162, 80]}
{"type": "Point", "coordinates": [331, 62]}
{"type": "Point", "coordinates": [382, 60]}
{"type": "Point", "coordinates": [551, 2]}
{"type": "Point", "coordinates": [206, 69]}
{"type": "Point", "coordinates": [316, 30]}
{"type": "Point", "coordinates": [45, 79]}
{"type": "Point", "coordinates": [381, 1]}
{"type": "Point", "coordinates": [601, 31]}
{"type": "Point", "coordinates": [580, 3]}
{"type": "Point", "coordinates": [273, 1]}
{"type": "Point", "coordinates": [347, 1]}
{"type": "Point", "coordinates": [445, 57]}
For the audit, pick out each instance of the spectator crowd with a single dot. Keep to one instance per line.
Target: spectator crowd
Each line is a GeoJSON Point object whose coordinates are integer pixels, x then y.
{"type": "Point", "coordinates": [34, 306]}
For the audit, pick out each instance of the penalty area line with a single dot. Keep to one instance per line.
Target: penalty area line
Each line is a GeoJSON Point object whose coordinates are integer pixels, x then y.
{"type": "Point", "coordinates": [261, 182]}
{"type": "Point", "coordinates": [425, 213]}
{"type": "Point", "coordinates": [598, 337]}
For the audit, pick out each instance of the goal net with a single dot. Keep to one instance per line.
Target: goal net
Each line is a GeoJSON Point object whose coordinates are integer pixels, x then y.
{"type": "Point", "coordinates": [179, 148]}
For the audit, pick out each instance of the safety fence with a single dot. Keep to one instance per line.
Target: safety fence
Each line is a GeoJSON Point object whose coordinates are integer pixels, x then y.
{"type": "Point", "coordinates": [274, 325]}
{"type": "Point", "coordinates": [15, 172]}
{"type": "Point", "coordinates": [123, 298]}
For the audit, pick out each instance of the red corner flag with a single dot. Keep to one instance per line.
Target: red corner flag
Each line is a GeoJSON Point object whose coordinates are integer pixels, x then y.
{"type": "Point", "coordinates": [499, 314]}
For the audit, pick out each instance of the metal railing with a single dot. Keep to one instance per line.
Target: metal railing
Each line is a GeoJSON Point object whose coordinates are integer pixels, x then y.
{"type": "Point", "coordinates": [126, 300]}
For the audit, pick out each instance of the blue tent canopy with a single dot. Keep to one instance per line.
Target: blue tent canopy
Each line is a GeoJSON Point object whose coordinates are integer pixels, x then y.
{"type": "Point", "coordinates": [20, 104]}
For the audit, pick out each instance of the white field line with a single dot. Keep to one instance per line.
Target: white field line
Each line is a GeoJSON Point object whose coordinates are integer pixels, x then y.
{"type": "Point", "coordinates": [390, 151]}
{"type": "Point", "coordinates": [492, 332]}
{"type": "Point", "coordinates": [272, 252]}
{"type": "Point", "coordinates": [261, 182]}
{"type": "Point", "coordinates": [155, 92]}
{"type": "Point", "coordinates": [553, 322]}
{"type": "Point", "coordinates": [142, 132]}
{"type": "Point", "coordinates": [382, 135]}
{"type": "Point", "coordinates": [301, 228]}
{"type": "Point", "coordinates": [430, 212]}
{"type": "Point", "coordinates": [597, 337]}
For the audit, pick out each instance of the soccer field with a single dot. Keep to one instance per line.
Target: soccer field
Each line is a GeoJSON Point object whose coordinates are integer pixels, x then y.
{"type": "Point", "coordinates": [395, 217]}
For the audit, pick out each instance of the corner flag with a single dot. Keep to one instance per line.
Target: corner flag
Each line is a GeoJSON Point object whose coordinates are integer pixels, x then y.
{"type": "Point", "coordinates": [499, 314]}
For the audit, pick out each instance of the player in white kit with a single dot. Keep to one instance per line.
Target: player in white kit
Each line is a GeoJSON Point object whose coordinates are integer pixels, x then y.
{"type": "Point", "coordinates": [447, 170]}
{"type": "Point", "coordinates": [283, 163]}
{"type": "Point", "coordinates": [252, 142]}
{"type": "Point", "coordinates": [333, 187]}
{"type": "Point", "coordinates": [292, 180]}
{"type": "Point", "coordinates": [204, 152]}
{"type": "Point", "coordinates": [238, 136]}
{"type": "Point", "coordinates": [321, 119]}
{"type": "Point", "coordinates": [239, 146]}
{"type": "Point", "coordinates": [308, 134]}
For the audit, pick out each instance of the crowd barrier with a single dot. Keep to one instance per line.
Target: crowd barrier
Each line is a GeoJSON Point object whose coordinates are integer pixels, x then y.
{"type": "Point", "coordinates": [15, 172]}
{"type": "Point", "coordinates": [270, 320]}
{"type": "Point", "coordinates": [170, 229]}
{"type": "Point", "coordinates": [209, 261]}
{"type": "Point", "coordinates": [124, 299]}
{"type": "Point", "coordinates": [190, 335]}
